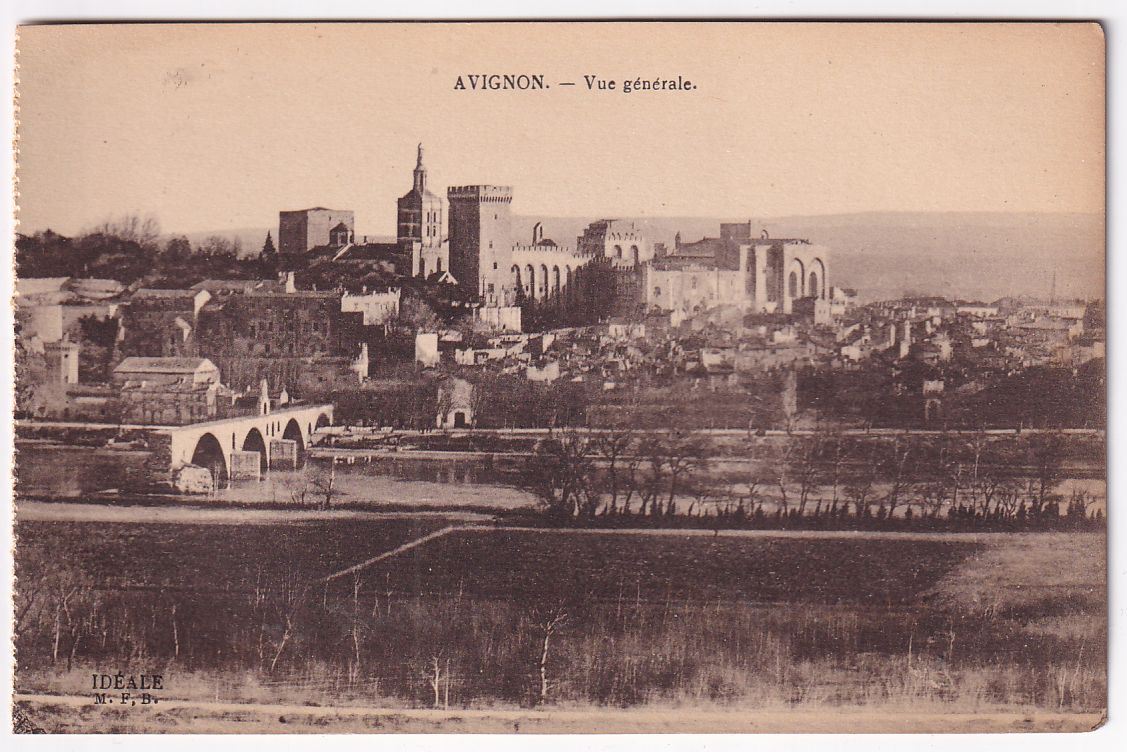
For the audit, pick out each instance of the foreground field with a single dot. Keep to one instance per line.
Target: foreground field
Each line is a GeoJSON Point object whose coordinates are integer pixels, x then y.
{"type": "Point", "coordinates": [480, 623]}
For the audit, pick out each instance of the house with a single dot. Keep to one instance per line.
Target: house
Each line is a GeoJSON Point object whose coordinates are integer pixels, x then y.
{"type": "Point", "coordinates": [454, 404]}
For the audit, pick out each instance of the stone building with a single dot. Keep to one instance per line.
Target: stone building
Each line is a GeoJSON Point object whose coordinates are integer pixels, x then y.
{"type": "Point", "coordinates": [301, 230]}
{"type": "Point", "coordinates": [161, 323]}
{"type": "Point", "coordinates": [760, 275]}
{"type": "Point", "coordinates": [52, 309]}
{"type": "Point", "coordinates": [419, 225]}
{"type": "Point", "coordinates": [62, 361]}
{"type": "Point", "coordinates": [543, 271]}
{"type": "Point", "coordinates": [170, 391]}
{"type": "Point", "coordinates": [481, 245]}
{"type": "Point", "coordinates": [377, 308]}
{"type": "Point", "coordinates": [454, 404]}
{"type": "Point", "coordinates": [620, 241]}
{"type": "Point", "coordinates": [276, 335]}
{"type": "Point", "coordinates": [251, 330]}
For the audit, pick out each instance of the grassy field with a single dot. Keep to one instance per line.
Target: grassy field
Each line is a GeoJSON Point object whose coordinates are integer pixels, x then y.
{"type": "Point", "coordinates": [857, 624]}
{"type": "Point", "coordinates": [542, 565]}
{"type": "Point", "coordinates": [210, 557]}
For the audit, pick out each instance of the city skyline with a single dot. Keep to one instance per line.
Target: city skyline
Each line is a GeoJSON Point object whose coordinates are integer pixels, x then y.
{"type": "Point", "coordinates": [171, 109]}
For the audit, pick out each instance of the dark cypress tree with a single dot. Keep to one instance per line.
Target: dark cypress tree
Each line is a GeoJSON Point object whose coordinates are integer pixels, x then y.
{"type": "Point", "coordinates": [268, 249]}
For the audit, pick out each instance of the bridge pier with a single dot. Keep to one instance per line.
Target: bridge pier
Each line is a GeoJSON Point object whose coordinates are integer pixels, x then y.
{"type": "Point", "coordinates": [283, 454]}
{"type": "Point", "coordinates": [246, 465]}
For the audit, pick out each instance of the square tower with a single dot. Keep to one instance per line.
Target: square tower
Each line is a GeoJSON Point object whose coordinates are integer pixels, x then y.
{"type": "Point", "coordinates": [481, 246]}
{"type": "Point", "coordinates": [299, 231]}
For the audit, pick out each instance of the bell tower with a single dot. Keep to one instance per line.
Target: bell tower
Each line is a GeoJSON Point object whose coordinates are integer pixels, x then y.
{"type": "Point", "coordinates": [419, 224]}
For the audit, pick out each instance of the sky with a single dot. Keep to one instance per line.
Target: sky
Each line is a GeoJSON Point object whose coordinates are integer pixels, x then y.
{"type": "Point", "coordinates": [212, 127]}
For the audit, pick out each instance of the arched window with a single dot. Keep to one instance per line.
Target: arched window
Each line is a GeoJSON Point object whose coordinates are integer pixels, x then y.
{"type": "Point", "coordinates": [657, 292]}
{"type": "Point", "coordinates": [793, 284]}
{"type": "Point", "coordinates": [634, 255]}
{"type": "Point", "coordinates": [618, 251]}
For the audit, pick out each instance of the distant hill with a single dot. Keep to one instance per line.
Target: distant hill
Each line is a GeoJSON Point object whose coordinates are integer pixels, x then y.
{"type": "Point", "coordinates": [884, 255]}
{"type": "Point", "coordinates": [887, 254]}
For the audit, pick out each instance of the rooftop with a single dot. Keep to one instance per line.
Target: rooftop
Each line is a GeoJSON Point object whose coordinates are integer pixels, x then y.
{"type": "Point", "coordinates": [149, 292]}
{"type": "Point", "coordinates": [163, 365]}
{"type": "Point", "coordinates": [238, 285]}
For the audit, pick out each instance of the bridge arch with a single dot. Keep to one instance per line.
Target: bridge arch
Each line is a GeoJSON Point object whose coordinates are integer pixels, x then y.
{"type": "Point", "coordinates": [293, 433]}
{"type": "Point", "coordinates": [209, 453]}
{"type": "Point", "coordinates": [254, 442]}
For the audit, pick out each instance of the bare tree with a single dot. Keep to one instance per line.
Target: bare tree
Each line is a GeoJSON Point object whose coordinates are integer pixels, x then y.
{"type": "Point", "coordinates": [835, 453]}
{"type": "Point", "coordinates": [324, 483]}
{"type": "Point", "coordinates": [802, 453]}
{"type": "Point", "coordinates": [438, 677]}
{"type": "Point", "coordinates": [894, 466]}
{"type": "Point", "coordinates": [560, 473]}
{"type": "Point", "coordinates": [548, 625]}
{"type": "Point", "coordinates": [144, 231]}
{"type": "Point", "coordinates": [287, 599]}
{"type": "Point", "coordinates": [653, 478]}
{"type": "Point", "coordinates": [686, 453]}
{"type": "Point", "coordinates": [611, 444]}
{"type": "Point", "coordinates": [1046, 456]}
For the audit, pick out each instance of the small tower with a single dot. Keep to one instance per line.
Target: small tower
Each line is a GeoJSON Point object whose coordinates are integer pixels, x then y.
{"type": "Point", "coordinates": [263, 397]}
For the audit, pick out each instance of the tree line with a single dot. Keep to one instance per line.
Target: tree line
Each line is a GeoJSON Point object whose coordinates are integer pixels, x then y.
{"type": "Point", "coordinates": [621, 475]}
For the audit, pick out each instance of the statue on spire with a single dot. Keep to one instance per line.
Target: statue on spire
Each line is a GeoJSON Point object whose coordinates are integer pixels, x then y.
{"type": "Point", "coordinates": [420, 172]}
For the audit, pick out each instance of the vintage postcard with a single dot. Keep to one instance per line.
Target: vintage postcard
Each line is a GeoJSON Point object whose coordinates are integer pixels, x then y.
{"type": "Point", "coordinates": [564, 377]}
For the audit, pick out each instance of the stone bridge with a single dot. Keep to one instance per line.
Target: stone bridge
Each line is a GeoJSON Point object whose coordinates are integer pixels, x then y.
{"type": "Point", "coordinates": [248, 445]}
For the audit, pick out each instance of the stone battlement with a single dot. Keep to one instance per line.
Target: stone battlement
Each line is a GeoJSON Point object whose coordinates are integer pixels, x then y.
{"type": "Point", "coordinates": [487, 193]}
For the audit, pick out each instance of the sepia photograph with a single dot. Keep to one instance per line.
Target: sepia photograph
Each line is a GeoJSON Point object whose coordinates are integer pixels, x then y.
{"type": "Point", "coordinates": [560, 377]}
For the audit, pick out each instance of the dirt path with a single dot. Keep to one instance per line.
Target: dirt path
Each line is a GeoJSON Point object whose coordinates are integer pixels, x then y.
{"type": "Point", "coordinates": [398, 550]}
{"type": "Point", "coordinates": [74, 713]}
{"type": "Point", "coordinates": [37, 511]}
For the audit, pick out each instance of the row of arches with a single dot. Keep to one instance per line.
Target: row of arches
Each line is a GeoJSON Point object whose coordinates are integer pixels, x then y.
{"type": "Point", "coordinates": [209, 451]}
{"type": "Point", "coordinates": [800, 284]}
{"type": "Point", "coordinates": [540, 284]}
